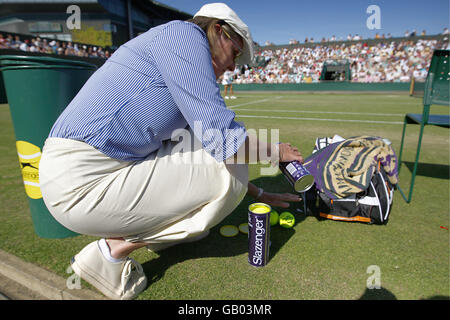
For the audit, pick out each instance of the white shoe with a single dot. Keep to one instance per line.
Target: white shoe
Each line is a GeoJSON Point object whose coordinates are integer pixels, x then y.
{"type": "Point", "coordinates": [233, 97]}
{"type": "Point", "coordinates": [227, 97]}
{"type": "Point", "coordinates": [156, 247]}
{"type": "Point", "coordinates": [120, 281]}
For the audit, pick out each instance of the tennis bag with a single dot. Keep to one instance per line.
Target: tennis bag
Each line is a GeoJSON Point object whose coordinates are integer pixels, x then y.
{"type": "Point", "coordinates": [371, 205]}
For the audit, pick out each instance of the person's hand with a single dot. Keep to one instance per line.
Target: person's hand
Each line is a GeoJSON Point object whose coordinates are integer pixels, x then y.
{"type": "Point", "coordinates": [289, 153]}
{"type": "Point", "coordinates": [279, 199]}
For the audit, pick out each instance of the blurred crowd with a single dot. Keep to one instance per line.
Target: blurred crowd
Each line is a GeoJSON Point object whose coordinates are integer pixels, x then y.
{"type": "Point", "coordinates": [47, 46]}
{"type": "Point", "coordinates": [389, 61]}
{"type": "Point", "coordinates": [357, 37]}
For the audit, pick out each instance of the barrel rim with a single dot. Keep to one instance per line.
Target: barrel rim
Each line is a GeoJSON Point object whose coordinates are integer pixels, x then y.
{"type": "Point", "coordinates": [47, 67]}
{"type": "Point", "coordinates": [46, 59]}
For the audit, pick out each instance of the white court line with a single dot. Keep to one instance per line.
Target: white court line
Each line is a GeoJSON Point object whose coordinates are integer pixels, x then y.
{"type": "Point", "coordinates": [253, 102]}
{"type": "Point", "coordinates": [318, 119]}
{"type": "Point", "coordinates": [330, 112]}
{"type": "Point", "coordinates": [338, 101]}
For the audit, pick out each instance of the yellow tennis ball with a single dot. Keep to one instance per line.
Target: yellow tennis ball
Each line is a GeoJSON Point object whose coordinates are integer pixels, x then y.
{"type": "Point", "coordinates": [287, 219]}
{"type": "Point", "coordinates": [274, 218]}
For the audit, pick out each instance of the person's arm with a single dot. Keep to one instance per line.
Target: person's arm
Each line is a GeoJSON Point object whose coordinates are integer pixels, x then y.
{"type": "Point", "coordinates": [181, 53]}
{"type": "Point", "coordinates": [273, 199]}
{"type": "Point", "coordinates": [254, 192]}
{"type": "Point", "coordinates": [286, 152]}
{"type": "Point", "coordinates": [260, 151]}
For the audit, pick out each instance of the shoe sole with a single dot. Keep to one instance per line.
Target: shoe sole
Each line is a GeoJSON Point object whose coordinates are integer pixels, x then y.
{"type": "Point", "coordinates": [85, 275]}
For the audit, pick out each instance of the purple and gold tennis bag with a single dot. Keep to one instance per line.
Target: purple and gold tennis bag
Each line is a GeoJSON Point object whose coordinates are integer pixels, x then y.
{"type": "Point", "coordinates": [354, 178]}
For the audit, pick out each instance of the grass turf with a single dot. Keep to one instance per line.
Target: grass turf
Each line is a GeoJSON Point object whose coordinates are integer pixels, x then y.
{"type": "Point", "coordinates": [316, 259]}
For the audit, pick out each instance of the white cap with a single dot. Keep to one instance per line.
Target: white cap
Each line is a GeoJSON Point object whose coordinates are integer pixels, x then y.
{"type": "Point", "coordinates": [223, 12]}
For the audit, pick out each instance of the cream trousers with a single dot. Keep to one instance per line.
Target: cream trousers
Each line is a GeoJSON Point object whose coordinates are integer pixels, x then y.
{"type": "Point", "coordinates": [165, 198]}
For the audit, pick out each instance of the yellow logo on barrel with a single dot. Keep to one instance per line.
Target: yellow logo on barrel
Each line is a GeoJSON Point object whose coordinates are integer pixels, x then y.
{"type": "Point", "coordinates": [29, 157]}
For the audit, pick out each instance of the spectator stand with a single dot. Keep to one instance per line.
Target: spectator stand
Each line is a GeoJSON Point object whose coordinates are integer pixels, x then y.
{"type": "Point", "coordinates": [371, 60]}
{"type": "Point", "coordinates": [20, 44]}
{"type": "Point", "coordinates": [336, 70]}
{"type": "Point", "coordinates": [11, 43]}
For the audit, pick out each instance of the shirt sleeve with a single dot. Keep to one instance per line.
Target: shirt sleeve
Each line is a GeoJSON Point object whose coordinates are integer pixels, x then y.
{"type": "Point", "coordinates": [181, 53]}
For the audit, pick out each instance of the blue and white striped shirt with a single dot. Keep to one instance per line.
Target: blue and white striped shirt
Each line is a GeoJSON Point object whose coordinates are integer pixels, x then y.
{"type": "Point", "coordinates": [158, 82]}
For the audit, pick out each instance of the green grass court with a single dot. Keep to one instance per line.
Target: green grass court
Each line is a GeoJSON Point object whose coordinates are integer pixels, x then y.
{"type": "Point", "coordinates": [313, 260]}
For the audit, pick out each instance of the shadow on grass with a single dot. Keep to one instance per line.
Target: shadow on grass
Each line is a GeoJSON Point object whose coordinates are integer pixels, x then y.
{"type": "Point", "coordinates": [378, 294]}
{"type": "Point", "coordinates": [214, 245]}
{"type": "Point", "coordinates": [385, 294]}
{"type": "Point", "coordinates": [440, 171]}
{"type": "Point", "coordinates": [437, 298]}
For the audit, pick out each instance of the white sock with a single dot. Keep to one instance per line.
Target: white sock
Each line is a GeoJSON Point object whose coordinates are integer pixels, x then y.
{"type": "Point", "coordinates": [104, 248]}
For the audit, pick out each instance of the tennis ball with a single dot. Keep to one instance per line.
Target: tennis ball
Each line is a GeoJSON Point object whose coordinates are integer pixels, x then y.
{"type": "Point", "coordinates": [274, 218]}
{"type": "Point", "coordinates": [287, 220]}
